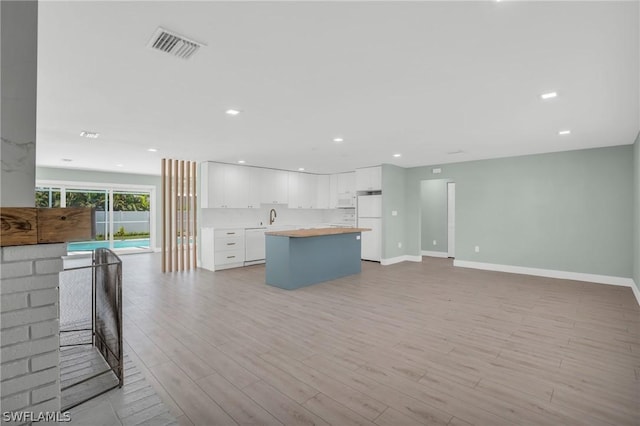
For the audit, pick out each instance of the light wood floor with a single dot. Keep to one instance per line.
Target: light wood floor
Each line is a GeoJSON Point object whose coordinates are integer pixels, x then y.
{"type": "Point", "coordinates": [407, 344]}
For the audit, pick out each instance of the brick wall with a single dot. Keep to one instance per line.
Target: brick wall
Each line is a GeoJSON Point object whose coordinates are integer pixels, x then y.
{"type": "Point", "coordinates": [29, 334]}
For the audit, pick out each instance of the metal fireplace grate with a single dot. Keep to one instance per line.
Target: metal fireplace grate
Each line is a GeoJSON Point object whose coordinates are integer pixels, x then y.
{"type": "Point", "coordinates": [91, 358]}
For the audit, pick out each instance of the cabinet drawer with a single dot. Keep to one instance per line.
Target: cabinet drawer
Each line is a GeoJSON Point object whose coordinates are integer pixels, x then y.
{"type": "Point", "coordinates": [221, 233]}
{"type": "Point", "coordinates": [229, 256]}
{"type": "Point", "coordinates": [229, 243]}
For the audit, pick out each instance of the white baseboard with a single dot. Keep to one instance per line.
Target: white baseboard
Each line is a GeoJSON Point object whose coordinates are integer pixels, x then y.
{"type": "Point", "coordinates": [398, 259]}
{"type": "Point", "coordinates": [549, 273]}
{"type": "Point", "coordinates": [636, 292]}
{"type": "Point", "coordinates": [435, 253]}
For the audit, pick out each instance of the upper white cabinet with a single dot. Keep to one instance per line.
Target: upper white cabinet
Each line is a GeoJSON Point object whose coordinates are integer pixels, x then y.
{"type": "Point", "coordinates": [302, 190]}
{"type": "Point", "coordinates": [369, 179]}
{"type": "Point", "coordinates": [229, 186]}
{"type": "Point", "coordinates": [242, 187]}
{"type": "Point", "coordinates": [274, 186]}
{"type": "Point", "coordinates": [342, 188]}
{"type": "Point", "coordinates": [253, 181]}
{"type": "Point", "coordinates": [322, 191]}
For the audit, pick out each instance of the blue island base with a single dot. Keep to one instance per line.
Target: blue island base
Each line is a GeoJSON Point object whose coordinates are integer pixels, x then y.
{"type": "Point", "coordinates": [298, 262]}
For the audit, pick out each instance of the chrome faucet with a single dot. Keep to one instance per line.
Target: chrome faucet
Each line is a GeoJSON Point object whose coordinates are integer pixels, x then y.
{"type": "Point", "coordinates": [272, 216]}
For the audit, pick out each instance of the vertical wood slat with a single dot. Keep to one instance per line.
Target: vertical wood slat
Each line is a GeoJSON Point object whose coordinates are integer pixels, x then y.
{"type": "Point", "coordinates": [188, 210]}
{"type": "Point", "coordinates": [176, 168]}
{"type": "Point", "coordinates": [195, 223]}
{"type": "Point", "coordinates": [163, 176]}
{"type": "Point", "coordinates": [179, 221]}
{"type": "Point", "coordinates": [170, 198]}
{"type": "Point", "coordinates": [182, 216]}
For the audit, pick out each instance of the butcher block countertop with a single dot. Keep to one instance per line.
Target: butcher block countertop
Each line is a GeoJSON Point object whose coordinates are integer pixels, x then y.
{"type": "Point", "coordinates": [301, 233]}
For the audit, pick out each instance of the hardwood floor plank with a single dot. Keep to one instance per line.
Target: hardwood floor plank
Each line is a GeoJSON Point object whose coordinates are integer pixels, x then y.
{"type": "Point", "coordinates": [196, 405]}
{"type": "Point", "coordinates": [280, 406]}
{"type": "Point", "coordinates": [355, 400]}
{"type": "Point", "coordinates": [334, 413]}
{"type": "Point", "coordinates": [392, 417]}
{"type": "Point", "coordinates": [238, 405]}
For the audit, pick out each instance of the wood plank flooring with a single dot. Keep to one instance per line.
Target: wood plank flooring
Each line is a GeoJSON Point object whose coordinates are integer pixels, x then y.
{"type": "Point", "coordinates": [406, 344]}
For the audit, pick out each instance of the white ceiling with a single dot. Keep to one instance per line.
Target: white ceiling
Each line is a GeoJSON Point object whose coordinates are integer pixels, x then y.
{"type": "Point", "coordinates": [418, 78]}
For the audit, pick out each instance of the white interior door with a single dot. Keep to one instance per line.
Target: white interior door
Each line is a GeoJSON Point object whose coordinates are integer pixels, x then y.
{"type": "Point", "coordinates": [451, 219]}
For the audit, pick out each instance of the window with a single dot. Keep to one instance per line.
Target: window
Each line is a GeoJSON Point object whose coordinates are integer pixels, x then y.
{"type": "Point", "coordinates": [124, 214]}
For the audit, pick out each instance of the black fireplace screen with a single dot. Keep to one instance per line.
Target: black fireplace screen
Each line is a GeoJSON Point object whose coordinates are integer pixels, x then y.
{"type": "Point", "coordinates": [91, 353]}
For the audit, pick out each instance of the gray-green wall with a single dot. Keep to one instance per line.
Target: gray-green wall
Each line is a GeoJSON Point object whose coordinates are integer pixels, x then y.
{"type": "Point", "coordinates": [393, 199]}
{"type": "Point", "coordinates": [636, 212]}
{"type": "Point", "coordinates": [569, 211]}
{"type": "Point", "coordinates": [433, 219]}
{"type": "Point", "coordinates": [90, 176]}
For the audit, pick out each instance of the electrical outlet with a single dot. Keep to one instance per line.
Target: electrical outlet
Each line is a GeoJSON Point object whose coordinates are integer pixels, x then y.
{"type": "Point", "coordinates": [435, 243]}
{"type": "Point", "coordinates": [399, 245]}
{"type": "Point", "coordinates": [477, 249]}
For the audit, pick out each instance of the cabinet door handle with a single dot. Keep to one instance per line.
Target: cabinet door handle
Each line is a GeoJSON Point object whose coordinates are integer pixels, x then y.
{"type": "Point", "coordinates": [231, 233]}
{"type": "Point", "coordinates": [230, 257]}
{"type": "Point", "coordinates": [231, 244]}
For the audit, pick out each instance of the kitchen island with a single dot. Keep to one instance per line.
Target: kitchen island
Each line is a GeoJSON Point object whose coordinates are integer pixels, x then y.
{"type": "Point", "coordinates": [301, 257]}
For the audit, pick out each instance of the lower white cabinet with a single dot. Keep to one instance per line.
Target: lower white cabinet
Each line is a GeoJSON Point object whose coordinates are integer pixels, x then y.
{"type": "Point", "coordinates": [222, 248]}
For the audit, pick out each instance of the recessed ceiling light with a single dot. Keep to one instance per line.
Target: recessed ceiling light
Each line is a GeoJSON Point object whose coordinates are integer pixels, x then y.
{"type": "Point", "coordinates": [301, 169]}
{"type": "Point", "coordinates": [397, 155]}
{"type": "Point", "coordinates": [241, 161]}
{"type": "Point", "coordinates": [549, 95]}
{"type": "Point", "coordinates": [119, 165]}
{"type": "Point", "coordinates": [338, 140]}
{"type": "Point", "coordinates": [90, 135]}
{"type": "Point", "coordinates": [564, 132]}
{"type": "Point", "coordinates": [67, 160]}
{"type": "Point", "coordinates": [152, 150]}
{"type": "Point", "coordinates": [232, 111]}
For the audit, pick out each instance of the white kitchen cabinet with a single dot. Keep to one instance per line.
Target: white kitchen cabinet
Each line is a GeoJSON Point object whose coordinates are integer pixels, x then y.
{"type": "Point", "coordinates": [274, 186]}
{"type": "Point", "coordinates": [253, 179]}
{"type": "Point", "coordinates": [223, 186]}
{"type": "Point", "coordinates": [302, 190]}
{"type": "Point", "coordinates": [222, 248]}
{"type": "Point", "coordinates": [369, 179]}
{"type": "Point", "coordinates": [342, 190]}
{"type": "Point", "coordinates": [322, 191]}
{"type": "Point", "coordinates": [333, 191]}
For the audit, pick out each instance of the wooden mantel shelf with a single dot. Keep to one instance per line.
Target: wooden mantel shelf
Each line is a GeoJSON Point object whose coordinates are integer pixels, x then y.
{"type": "Point", "coordinates": [29, 225]}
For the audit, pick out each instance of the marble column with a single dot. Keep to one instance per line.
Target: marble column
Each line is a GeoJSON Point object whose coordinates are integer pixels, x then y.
{"type": "Point", "coordinates": [18, 84]}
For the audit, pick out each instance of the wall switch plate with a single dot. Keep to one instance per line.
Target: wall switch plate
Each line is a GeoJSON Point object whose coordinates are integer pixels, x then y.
{"type": "Point", "coordinates": [357, 237]}
{"type": "Point", "coordinates": [394, 213]}
{"type": "Point", "coordinates": [435, 242]}
{"type": "Point", "coordinates": [477, 249]}
{"type": "Point", "coordinates": [437, 170]}
{"type": "Point", "coordinates": [399, 245]}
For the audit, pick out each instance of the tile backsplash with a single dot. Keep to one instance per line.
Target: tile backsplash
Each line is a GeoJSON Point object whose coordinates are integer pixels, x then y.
{"type": "Point", "coordinates": [285, 216]}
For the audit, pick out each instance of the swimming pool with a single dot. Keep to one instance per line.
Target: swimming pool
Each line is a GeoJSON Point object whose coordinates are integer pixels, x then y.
{"type": "Point", "coordinates": [142, 243]}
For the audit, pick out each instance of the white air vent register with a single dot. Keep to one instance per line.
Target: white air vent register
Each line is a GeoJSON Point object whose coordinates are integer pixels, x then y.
{"type": "Point", "coordinates": [174, 44]}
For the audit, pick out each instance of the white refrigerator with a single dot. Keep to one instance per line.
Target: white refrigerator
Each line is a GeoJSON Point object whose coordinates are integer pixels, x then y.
{"type": "Point", "coordinates": [370, 216]}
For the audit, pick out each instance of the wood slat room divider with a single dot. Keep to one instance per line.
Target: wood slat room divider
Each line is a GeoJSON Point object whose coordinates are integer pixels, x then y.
{"type": "Point", "coordinates": [179, 222]}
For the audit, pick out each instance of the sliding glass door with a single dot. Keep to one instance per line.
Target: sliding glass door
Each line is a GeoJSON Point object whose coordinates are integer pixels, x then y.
{"type": "Point", "coordinates": [124, 215]}
{"type": "Point", "coordinates": [99, 200]}
{"type": "Point", "coordinates": [131, 219]}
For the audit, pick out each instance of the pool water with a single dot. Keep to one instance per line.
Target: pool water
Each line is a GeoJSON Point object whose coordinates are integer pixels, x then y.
{"type": "Point", "coordinates": [118, 244]}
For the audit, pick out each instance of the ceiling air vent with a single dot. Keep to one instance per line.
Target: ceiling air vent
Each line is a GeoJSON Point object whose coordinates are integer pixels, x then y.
{"type": "Point", "coordinates": [174, 44]}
